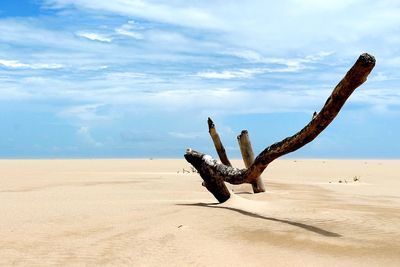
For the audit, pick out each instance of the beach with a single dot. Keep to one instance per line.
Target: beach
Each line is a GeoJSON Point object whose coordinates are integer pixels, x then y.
{"type": "Point", "coordinates": [155, 212]}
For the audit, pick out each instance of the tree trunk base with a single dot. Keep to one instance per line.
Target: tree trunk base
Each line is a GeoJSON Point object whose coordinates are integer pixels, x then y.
{"type": "Point", "coordinates": [207, 168]}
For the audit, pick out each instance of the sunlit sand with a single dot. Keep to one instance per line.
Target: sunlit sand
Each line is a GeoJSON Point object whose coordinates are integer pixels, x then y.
{"type": "Point", "coordinates": [151, 213]}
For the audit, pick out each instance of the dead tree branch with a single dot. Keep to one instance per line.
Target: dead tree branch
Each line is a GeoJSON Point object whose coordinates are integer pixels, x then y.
{"type": "Point", "coordinates": [210, 170]}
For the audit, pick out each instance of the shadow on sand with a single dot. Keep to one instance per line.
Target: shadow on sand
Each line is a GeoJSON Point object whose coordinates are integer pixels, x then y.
{"type": "Point", "coordinates": [307, 227]}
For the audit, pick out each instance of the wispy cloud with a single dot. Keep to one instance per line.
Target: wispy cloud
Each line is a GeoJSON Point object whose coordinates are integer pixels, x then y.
{"type": "Point", "coordinates": [126, 75]}
{"type": "Point", "coordinates": [226, 74]}
{"type": "Point", "coordinates": [173, 12]}
{"type": "Point", "coordinates": [282, 66]}
{"type": "Point", "coordinates": [130, 29]}
{"type": "Point", "coordinates": [32, 32]}
{"type": "Point", "coordinates": [15, 64]}
{"type": "Point", "coordinates": [86, 113]}
{"type": "Point", "coordinates": [119, 64]}
{"type": "Point", "coordinates": [255, 57]}
{"type": "Point", "coordinates": [94, 36]}
{"type": "Point", "coordinates": [312, 25]}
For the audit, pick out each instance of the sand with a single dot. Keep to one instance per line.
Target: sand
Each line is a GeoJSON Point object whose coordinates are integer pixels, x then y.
{"type": "Point", "coordinates": [145, 213]}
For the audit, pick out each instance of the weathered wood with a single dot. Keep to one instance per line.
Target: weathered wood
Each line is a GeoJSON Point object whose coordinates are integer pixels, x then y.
{"type": "Point", "coordinates": [248, 157]}
{"type": "Point", "coordinates": [210, 170]}
{"type": "Point", "coordinates": [217, 143]}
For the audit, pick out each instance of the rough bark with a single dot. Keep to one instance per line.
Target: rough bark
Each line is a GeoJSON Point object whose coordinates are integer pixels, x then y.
{"type": "Point", "coordinates": [217, 143]}
{"type": "Point", "coordinates": [209, 169]}
{"type": "Point", "coordinates": [248, 157]}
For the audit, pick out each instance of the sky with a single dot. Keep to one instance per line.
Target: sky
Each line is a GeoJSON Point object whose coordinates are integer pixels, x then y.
{"type": "Point", "coordinates": [138, 78]}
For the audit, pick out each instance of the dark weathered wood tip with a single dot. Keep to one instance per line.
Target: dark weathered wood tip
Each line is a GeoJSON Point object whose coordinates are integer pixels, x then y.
{"type": "Point", "coordinates": [367, 60]}
{"type": "Point", "coordinates": [242, 133]}
{"type": "Point", "coordinates": [210, 123]}
{"type": "Point", "coordinates": [193, 157]}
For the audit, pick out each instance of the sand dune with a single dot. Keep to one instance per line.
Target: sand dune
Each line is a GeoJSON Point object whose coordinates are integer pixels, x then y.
{"type": "Point", "coordinates": [145, 213]}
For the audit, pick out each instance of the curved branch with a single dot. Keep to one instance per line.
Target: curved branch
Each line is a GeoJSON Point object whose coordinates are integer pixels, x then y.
{"type": "Point", "coordinates": [356, 76]}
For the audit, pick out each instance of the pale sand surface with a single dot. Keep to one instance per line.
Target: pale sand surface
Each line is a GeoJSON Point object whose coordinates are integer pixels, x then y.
{"type": "Point", "coordinates": [144, 213]}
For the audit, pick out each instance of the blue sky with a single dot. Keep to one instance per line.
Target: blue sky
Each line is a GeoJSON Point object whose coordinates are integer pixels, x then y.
{"type": "Point", "coordinates": [138, 78]}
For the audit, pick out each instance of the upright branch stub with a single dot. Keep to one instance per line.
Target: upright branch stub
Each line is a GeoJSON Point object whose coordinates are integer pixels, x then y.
{"type": "Point", "coordinates": [217, 143]}
{"type": "Point", "coordinates": [354, 78]}
{"type": "Point", "coordinates": [248, 157]}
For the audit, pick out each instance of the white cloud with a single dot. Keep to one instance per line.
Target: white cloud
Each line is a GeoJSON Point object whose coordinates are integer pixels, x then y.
{"type": "Point", "coordinates": [255, 57]}
{"type": "Point", "coordinates": [249, 55]}
{"type": "Point", "coordinates": [125, 75]}
{"type": "Point", "coordinates": [172, 12]}
{"type": "Point", "coordinates": [125, 32]}
{"type": "Point", "coordinates": [130, 29]}
{"type": "Point", "coordinates": [94, 37]}
{"type": "Point", "coordinates": [15, 64]}
{"type": "Point", "coordinates": [94, 68]}
{"type": "Point", "coordinates": [109, 96]}
{"type": "Point", "coordinates": [248, 73]}
{"type": "Point", "coordinates": [243, 73]}
{"type": "Point", "coordinates": [291, 27]}
{"type": "Point", "coordinates": [89, 112]}
{"type": "Point", "coordinates": [229, 101]}
{"type": "Point", "coordinates": [32, 32]}
{"type": "Point", "coordinates": [163, 69]}
{"type": "Point", "coordinates": [379, 77]}
{"type": "Point", "coordinates": [317, 57]}
{"type": "Point", "coordinates": [377, 97]}
{"type": "Point", "coordinates": [326, 5]}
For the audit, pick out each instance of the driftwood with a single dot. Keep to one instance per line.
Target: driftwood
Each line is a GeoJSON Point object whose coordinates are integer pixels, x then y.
{"type": "Point", "coordinates": [214, 174]}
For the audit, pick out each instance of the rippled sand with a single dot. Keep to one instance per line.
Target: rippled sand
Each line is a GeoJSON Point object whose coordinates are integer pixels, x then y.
{"type": "Point", "coordinates": [146, 213]}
